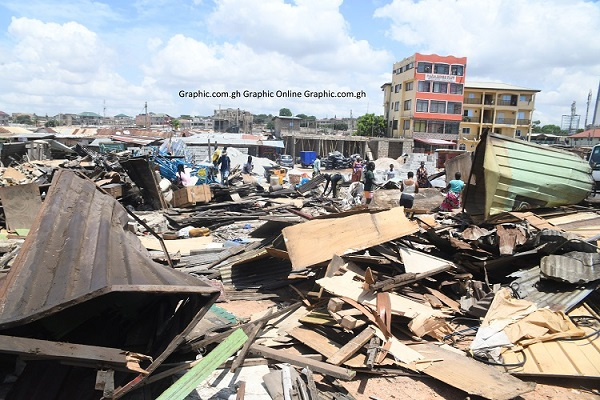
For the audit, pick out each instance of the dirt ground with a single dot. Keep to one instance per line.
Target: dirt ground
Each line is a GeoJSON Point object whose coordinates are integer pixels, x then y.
{"type": "Point", "coordinates": [368, 387]}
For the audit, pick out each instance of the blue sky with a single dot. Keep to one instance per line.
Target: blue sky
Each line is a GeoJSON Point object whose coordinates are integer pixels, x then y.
{"type": "Point", "coordinates": [75, 56]}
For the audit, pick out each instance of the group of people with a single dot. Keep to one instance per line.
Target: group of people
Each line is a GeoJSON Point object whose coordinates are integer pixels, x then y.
{"type": "Point", "coordinates": [409, 187]}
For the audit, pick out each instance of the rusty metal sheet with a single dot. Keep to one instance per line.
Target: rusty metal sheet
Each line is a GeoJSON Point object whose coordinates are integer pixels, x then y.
{"type": "Point", "coordinates": [79, 249]}
{"type": "Point", "coordinates": [572, 267]}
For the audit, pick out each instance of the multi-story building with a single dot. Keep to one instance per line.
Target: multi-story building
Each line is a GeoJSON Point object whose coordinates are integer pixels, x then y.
{"type": "Point", "coordinates": [4, 118]}
{"type": "Point", "coordinates": [153, 119]}
{"type": "Point", "coordinates": [497, 108]}
{"type": "Point", "coordinates": [424, 99]}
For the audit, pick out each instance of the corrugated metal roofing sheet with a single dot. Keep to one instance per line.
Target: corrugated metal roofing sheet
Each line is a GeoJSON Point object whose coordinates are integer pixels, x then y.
{"type": "Point", "coordinates": [513, 175]}
{"type": "Point", "coordinates": [79, 249]}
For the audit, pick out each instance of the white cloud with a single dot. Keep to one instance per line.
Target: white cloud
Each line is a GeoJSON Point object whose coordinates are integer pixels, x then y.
{"type": "Point", "coordinates": [60, 67]}
{"type": "Point", "coordinates": [543, 44]}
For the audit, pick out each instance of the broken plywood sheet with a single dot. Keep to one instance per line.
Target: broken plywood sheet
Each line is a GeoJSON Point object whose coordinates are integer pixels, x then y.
{"type": "Point", "coordinates": [469, 375]}
{"type": "Point", "coordinates": [184, 246]}
{"type": "Point", "coordinates": [21, 205]}
{"type": "Point", "coordinates": [316, 241]}
{"type": "Point", "coordinates": [418, 262]}
{"type": "Point", "coordinates": [346, 286]}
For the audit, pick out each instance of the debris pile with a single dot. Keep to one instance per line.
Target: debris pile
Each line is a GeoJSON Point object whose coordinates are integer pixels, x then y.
{"type": "Point", "coordinates": [278, 291]}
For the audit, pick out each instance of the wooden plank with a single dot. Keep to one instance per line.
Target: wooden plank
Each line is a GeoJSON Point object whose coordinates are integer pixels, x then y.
{"type": "Point", "coordinates": [352, 347]}
{"type": "Point", "coordinates": [21, 205]}
{"type": "Point", "coordinates": [300, 361]}
{"type": "Point", "coordinates": [470, 375]}
{"type": "Point", "coordinates": [92, 356]}
{"type": "Point", "coordinates": [253, 333]}
{"type": "Point", "coordinates": [184, 385]}
{"type": "Point", "coordinates": [315, 241]}
{"type": "Point", "coordinates": [454, 305]}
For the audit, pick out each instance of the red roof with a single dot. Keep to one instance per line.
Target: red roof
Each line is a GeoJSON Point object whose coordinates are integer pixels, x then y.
{"type": "Point", "coordinates": [590, 133]}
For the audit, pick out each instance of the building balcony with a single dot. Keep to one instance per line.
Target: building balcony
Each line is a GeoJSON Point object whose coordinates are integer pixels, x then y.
{"type": "Point", "coordinates": [512, 103]}
{"type": "Point", "coordinates": [505, 121]}
{"type": "Point", "coordinates": [523, 122]}
{"type": "Point", "coordinates": [488, 121]}
{"type": "Point", "coordinates": [472, 101]}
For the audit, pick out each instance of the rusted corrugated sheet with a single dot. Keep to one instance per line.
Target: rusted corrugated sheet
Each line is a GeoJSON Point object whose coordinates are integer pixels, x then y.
{"type": "Point", "coordinates": [572, 267]}
{"type": "Point", "coordinates": [555, 295]}
{"type": "Point", "coordinates": [513, 175]}
{"type": "Point", "coordinates": [79, 249]}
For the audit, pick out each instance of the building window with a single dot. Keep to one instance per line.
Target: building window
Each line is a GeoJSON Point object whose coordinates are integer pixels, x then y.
{"type": "Point", "coordinates": [518, 133]}
{"type": "Point", "coordinates": [424, 67]}
{"type": "Point", "coordinates": [422, 105]}
{"type": "Point", "coordinates": [420, 126]}
{"type": "Point", "coordinates": [462, 146]}
{"type": "Point", "coordinates": [438, 107]}
{"type": "Point", "coordinates": [436, 127]}
{"type": "Point", "coordinates": [441, 69]}
{"type": "Point", "coordinates": [396, 106]}
{"type": "Point", "coordinates": [457, 70]}
{"type": "Point", "coordinates": [408, 86]}
{"type": "Point", "coordinates": [506, 97]}
{"type": "Point", "coordinates": [407, 105]}
{"type": "Point", "coordinates": [410, 66]}
{"type": "Point", "coordinates": [471, 95]}
{"type": "Point", "coordinates": [521, 115]}
{"type": "Point", "coordinates": [397, 88]}
{"type": "Point", "coordinates": [395, 126]}
{"type": "Point", "coordinates": [451, 128]}
{"type": "Point", "coordinates": [454, 107]}
{"type": "Point", "coordinates": [440, 87]}
{"type": "Point", "coordinates": [466, 131]}
{"type": "Point", "coordinates": [523, 98]}
{"type": "Point", "coordinates": [468, 113]}
{"type": "Point", "coordinates": [406, 124]}
{"type": "Point", "coordinates": [424, 86]}
{"type": "Point", "coordinates": [456, 88]}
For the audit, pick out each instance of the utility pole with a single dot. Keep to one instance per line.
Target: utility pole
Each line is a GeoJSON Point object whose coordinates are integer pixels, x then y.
{"type": "Point", "coordinates": [587, 111]}
{"type": "Point", "coordinates": [146, 112]}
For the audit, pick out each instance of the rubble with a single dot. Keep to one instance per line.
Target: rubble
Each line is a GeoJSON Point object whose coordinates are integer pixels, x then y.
{"type": "Point", "coordinates": [124, 265]}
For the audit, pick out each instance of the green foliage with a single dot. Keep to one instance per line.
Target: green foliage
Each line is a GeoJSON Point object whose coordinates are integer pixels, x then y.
{"type": "Point", "coordinates": [554, 129]}
{"type": "Point", "coordinates": [340, 126]}
{"type": "Point", "coordinates": [270, 125]}
{"type": "Point", "coordinates": [51, 124]}
{"type": "Point", "coordinates": [303, 116]}
{"type": "Point", "coordinates": [262, 118]}
{"type": "Point", "coordinates": [24, 119]}
{"type": "Point", "coordinates": [175, 124]}
{"type": "Point", "coordinates": [285, 112]}
{"type": "Point", "coordinates": [370, 125]}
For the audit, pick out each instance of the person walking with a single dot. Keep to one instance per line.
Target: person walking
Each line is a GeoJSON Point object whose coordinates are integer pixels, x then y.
{"type": "Point", "coordinates": [409, 187]}
{"type": "Point", "coordinates": [225, 165]}
{"type": "Point", "coordinates": [454, 189]}
{"type": "Point", "coordinates": [369, 182]}
{"type": "Point", "coordinates": [317, 166]}
{"type": "Point", "coordinates": [357, 168]}
{"type": "Point", "coordinates": [391, 173]}
{"type": "Point", "coordinates": [422, 180]}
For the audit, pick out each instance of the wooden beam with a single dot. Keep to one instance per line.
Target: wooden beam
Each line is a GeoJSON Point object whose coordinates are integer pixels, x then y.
{"type": "Point", "coordinates": [351, 347]}
{"type": "Point", "coordinates": [300, 361]}
{"type": "Point", "coordinates": [90, 356]}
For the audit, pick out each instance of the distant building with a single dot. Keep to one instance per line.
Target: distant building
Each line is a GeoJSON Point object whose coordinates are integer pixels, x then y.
{"type": "Point", "coordinates": [287, 125]}
{"type": "Point", "coordinates": [590, 137]}
{"type": "Point", "coordinates": [123, 120]}
{"type": "Point", "coordinates": [233, 120]}
{"type": "Point", "coordinates": [153, 119]}
{"type": "Point", "coordinates": [4, 118]}
{"type": "Point", "coordinates": [495, 107]}
{"type": "Point", "coordinates": [204, 123]}
{"type": "Point", "coordinates": [89, 118]}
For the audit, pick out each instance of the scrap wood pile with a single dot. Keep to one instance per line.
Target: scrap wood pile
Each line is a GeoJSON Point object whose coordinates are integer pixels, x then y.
{"type": "Point", "coordinates": [361, 293]}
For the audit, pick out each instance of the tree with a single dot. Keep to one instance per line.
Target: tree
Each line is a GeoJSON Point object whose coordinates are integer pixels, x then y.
{"type": "Point", "coordinates": [553, 129]}
{"type": "Point", "coordinates": [285, 112]}
{"type": "Point", "coordinates": [340, 126]}
{"type": "Point", "coordinates": [262, 118]}
{"type": "Point", "coordinates": [370, 125]}
{"type": "Point", "coordinates": [24, 119]}
{"type": "Point", "coordinates": [302, 116]}
{"type": "Point", "coordinates": [51, 124]}
{"type": "Point", "coordinates": [175, 124]}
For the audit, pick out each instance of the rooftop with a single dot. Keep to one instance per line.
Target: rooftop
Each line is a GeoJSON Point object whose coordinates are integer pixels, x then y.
{"type": "Point", "coordinates": [590, 133]}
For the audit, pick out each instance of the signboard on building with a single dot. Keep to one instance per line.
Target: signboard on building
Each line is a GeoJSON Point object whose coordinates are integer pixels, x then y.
{"type": "Point", "coordinates": [440, 78]}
